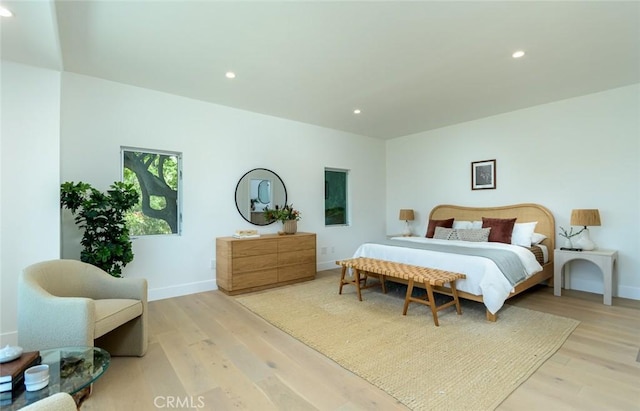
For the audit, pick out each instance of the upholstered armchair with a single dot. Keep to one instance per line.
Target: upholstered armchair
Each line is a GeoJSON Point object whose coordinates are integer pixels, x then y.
{"type": "Point", "coordinates": [65, 303]}
{"type": "Point", "coordinates": [60, 401]}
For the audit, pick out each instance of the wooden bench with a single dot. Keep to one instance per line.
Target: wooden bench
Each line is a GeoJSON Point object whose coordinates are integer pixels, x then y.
{"type": "Point", "coordinates": [364, 267]}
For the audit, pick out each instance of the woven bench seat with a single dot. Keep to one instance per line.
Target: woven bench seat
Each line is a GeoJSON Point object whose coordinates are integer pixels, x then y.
{"type": "Point", "coordinates": [364, 267]}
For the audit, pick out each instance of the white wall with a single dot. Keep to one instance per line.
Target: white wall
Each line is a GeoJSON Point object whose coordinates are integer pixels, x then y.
{"type": "Point", "coordinates": [219, 144]}
{"type": "Point", "coordinates": [578, 153]}
{"type": "Point", "coordinates": [29, 175]}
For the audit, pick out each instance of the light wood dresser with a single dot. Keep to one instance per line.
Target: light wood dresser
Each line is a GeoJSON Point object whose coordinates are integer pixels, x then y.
{"type": "Point", "coordinates": [271, 260]}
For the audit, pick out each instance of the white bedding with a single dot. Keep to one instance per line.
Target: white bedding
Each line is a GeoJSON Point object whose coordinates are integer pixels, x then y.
{"type": "Point", "coordinates": [483, 275]}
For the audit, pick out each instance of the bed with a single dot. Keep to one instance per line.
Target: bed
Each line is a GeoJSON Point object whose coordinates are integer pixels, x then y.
{"type": "Point", "coordinates": [485, 282]}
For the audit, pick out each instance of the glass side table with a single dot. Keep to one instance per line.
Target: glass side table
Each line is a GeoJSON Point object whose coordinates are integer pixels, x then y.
{"type": "Point", "coordinates": [71, 370]}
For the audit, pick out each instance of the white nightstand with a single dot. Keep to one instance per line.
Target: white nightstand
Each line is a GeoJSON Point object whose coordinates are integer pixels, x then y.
{"type": "Point", "coordinates": [605, 259]}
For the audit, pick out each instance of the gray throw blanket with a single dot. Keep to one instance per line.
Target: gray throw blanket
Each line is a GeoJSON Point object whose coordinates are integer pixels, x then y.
{"type": "Point", "coordinates": [507, 261]}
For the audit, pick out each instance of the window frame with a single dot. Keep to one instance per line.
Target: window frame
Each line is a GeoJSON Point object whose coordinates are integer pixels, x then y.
{"type": "Point", "coordinates": [347, 216]}
{"type": "Point", "coordinates": [179, 190]}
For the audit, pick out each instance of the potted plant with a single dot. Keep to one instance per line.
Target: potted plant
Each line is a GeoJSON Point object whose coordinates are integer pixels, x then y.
{"type": "Point", "coordinates": [288, 215]}
{"type": "Point", "coordinates": [106, 242]}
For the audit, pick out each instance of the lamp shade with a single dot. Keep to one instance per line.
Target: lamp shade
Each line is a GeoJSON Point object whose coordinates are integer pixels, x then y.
{"type": "Point", "coordinates": [585, 217]}
{"type": "Point", "coordinates": [406, 215]}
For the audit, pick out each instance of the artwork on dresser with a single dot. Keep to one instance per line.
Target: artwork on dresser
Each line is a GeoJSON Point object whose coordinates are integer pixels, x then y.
{"type": "Point", "coordinates": [483, 175]}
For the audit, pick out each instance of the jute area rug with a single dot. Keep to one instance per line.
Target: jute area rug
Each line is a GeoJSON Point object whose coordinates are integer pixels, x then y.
{"type": "Point", "coordinates": [467, 363]}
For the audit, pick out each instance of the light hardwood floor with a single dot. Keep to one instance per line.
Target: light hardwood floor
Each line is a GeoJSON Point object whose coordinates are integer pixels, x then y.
{"type": "Point", "coordinates": [208, 352]}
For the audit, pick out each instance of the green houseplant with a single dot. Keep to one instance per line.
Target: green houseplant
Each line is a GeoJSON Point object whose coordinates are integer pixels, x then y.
{"type": "Point", "coordinates": [288, 215]}
{"type": "Point", "coordinates": [105, 241]}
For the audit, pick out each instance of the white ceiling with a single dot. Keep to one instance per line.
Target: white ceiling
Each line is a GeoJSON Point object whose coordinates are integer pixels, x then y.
{"type": "Point", "coordinates": [409, 66]}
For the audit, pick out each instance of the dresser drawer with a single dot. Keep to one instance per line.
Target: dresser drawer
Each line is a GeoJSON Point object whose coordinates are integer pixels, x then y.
{"type": "Point", "coordinates": [297, 257]}
{"type": "Point", "coordinates": [295, 243]}
{"type": "Point", "coordinates": [254, 279]}
{"type": "Point", "coordinates": [296, 272]}
{"type": "Point", "coordinates": [257, 262]}
{"type": "Point", "coordinates": [252, 247]}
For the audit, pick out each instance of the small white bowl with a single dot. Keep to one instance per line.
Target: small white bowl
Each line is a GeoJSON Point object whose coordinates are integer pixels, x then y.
{"type": "Point", "coordinates": [36, 374]}
{"type": "Point", "coordinates": [35, 386]}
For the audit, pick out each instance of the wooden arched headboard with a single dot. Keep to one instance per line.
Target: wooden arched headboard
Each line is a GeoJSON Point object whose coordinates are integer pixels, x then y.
{"type": "Point", "coordinates": [524, 213]}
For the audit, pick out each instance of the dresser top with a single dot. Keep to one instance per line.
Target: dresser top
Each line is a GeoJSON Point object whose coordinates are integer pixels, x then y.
{"type": "Point", "coordinates": [266, 236]}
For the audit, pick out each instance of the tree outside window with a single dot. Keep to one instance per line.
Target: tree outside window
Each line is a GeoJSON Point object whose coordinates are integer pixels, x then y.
{"type": "Point", "coordinates": [156, 175]}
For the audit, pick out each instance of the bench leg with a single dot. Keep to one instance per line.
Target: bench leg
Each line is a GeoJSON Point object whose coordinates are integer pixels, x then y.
{"type": "Point", "coordinates": [432, 303]}
{"type": "Point", "coordinates": [357, 279]}
{"type": "Point", "coordinates": [407, 298]}
{"type": "Point", "coordinates": [342, 281]}
{"type": "Point", "coordinates": [454, 293]}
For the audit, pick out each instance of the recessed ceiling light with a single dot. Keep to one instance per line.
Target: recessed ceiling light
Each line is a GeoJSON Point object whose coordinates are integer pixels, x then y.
{"type": "Point", "coordinates": [230, 74]}
{"type": "Point", "coordinates": [5, 12]}
{"type": "Point", "coordinates": [357, 111]}
{"type": "Point", "coordinates": [518, 54]}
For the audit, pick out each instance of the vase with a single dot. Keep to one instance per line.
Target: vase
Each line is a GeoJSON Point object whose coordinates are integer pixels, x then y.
{"type": "Point", "coordinates": [568, 243]}
{"type": "Point", "coordinates": [290, 226]}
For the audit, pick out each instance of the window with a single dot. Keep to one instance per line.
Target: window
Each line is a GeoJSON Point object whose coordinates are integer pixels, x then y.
{"type": "Point", "coordinates": [157, 176]}
{"type": "Point", "coordinates": [335, 197]}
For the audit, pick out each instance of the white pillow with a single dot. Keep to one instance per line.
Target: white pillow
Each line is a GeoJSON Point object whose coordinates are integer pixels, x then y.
{"type": "Point", "coordinates": [462, 225]}
{"type": "Point", "coordinates": [537, 238]}
{"type": "Point", "coordinates": [522, 233]}
{"type": "Point", "coordinates": [476, 224]}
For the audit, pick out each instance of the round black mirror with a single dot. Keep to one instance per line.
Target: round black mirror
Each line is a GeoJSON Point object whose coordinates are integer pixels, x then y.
{"type": "Point", "coordinates": [257, 190]}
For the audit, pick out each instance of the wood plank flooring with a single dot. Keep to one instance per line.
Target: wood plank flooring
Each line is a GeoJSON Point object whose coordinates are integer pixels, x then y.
{"type": "Point", "coordinates": [207, 352]}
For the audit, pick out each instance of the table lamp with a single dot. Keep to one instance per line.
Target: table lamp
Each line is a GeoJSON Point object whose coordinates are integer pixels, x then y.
{"type": "Point", "coordinates": [585, 217]}
{"type": "Point", "coordinates": [406, 215]}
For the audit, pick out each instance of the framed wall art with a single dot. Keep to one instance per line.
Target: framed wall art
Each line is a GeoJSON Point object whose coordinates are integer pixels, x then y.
{"type": "Point", "coordinates": [483, 175]}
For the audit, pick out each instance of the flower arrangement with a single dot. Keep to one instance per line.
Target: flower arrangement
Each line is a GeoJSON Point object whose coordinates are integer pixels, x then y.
{"type": "Point", "coordinates": [283, 214]}
{"type": "Point", "coordinates": [569, 234]}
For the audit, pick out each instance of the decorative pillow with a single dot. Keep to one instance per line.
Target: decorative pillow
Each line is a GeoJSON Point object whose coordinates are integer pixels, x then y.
{"type": "Point", "coordinates": [501, 229]}
{"type": "Point", "coordinates": [441, 233]}
{"type": "Point", "coordinates": [462, 225]}
{"type": "Point", "coordinates": [522, 233]}
{"type": "Point", "coordinates": [537, 238]}
{"type": "Point", "coordinates": [475, 235]}
{"type": "Point", "coordinates": [476, 224]}
{"type": "Point", "coordinates": [438, 223]}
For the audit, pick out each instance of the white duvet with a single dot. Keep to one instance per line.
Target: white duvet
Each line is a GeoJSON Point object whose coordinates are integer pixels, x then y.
{"type": "Point", "coordinates": [483, 275]}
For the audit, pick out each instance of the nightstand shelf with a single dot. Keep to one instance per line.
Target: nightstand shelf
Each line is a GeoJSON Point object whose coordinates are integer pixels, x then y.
{"type": "Point", "coordinates": [604, 259]}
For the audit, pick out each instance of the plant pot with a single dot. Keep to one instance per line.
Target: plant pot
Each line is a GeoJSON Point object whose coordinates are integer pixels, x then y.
{"type": "Point", "coordinates": [290, 226]}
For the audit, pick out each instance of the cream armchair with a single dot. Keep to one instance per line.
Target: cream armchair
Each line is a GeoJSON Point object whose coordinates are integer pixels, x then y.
{"type": "Point", "coordinates": [57, 402]}
{"type": "Point", "coordinates": [70, 303]}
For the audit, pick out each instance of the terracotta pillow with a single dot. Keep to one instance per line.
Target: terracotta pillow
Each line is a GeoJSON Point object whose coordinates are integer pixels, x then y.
{"type": "Point", "coordinates": [438, 223]}
{"type": "Point", "coordinates": [501, 229]}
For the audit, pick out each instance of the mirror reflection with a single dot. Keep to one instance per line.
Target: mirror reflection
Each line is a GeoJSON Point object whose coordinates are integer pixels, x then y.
{"type": "Point", "coordinates": [258, 189]}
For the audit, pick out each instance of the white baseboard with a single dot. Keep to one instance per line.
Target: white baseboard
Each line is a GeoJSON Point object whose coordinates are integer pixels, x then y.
{"type": "Point", "coordinates": [328, 265]}
{"type": "Point", "coordinates": [181, 289]}
{"type": "Point", "coordinates": [596, 287]}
